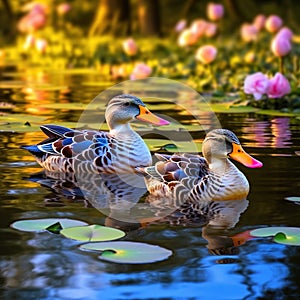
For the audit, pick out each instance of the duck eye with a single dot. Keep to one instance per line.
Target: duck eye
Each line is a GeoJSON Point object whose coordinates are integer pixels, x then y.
{"type": "Point", "coordinates": [126, 103]}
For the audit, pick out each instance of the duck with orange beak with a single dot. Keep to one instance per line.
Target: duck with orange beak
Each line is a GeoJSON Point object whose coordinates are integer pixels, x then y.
{"type": "Point", "coordinates": [89, 151]}
{"type": "Point", "coordinates": [194, 184]}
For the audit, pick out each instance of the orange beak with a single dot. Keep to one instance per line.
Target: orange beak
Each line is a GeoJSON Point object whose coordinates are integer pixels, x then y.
{"type": "Point", "coordinates": [239, 154]}
{"type": "Point", "coordinates": [146, 115]}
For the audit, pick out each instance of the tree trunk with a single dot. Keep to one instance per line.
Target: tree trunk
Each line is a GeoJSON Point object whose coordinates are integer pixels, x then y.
{"type": "Point", "coordinates": [112, 17]}
{"type": "Point", "coordinates": [10, 30]}
{"type": "Point", "coordinates": [149, 18]}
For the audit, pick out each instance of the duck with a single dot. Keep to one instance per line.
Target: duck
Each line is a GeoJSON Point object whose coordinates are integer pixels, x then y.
{"type": "Point", "coordinates": [187, 187]}
{"type": "Point", "coordinates": [119, 150]}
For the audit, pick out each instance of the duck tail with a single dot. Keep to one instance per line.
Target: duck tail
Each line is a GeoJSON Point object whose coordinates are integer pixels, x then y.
{"type": "Point", "coordinates": [33, 149]}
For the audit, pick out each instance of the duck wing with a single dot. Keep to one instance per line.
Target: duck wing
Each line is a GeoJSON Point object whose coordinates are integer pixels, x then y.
{"type": "Point", "coordinates": [83, 145]}
{"type": "Point", "coordinates": [176, 168]}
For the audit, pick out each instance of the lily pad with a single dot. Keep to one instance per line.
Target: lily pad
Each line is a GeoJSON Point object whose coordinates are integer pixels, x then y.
{"type": "Point", "coordinates": [282, 235]}
{"type": "Point", "coordinates": [293, 199]}
{"type": "Point", "coordinates": [92, 233]}
{"type": "Point", "coordinates": [173, 146]}
{"type": "Point", "coordinates": [22, 118]}
{"type": "Point", "coordinates": [128, 252]}
{"type": "Point", "coordinates": [229, 108]}
{"type": "Point", "coordinates": [19, 127]}
{"type": "Point", "coordinates": [44, 224]}
{"type": "Point", "coordinates": [74, 106]}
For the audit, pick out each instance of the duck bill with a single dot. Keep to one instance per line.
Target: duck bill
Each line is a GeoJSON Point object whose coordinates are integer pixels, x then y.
{"type": "Point", "coordinates": [239, 154]}
{"type": "Point", "coordinates": [146, 115]}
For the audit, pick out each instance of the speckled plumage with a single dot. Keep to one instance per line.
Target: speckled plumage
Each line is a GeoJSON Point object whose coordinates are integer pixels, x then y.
{"type": "Point", "coordinates": [118, 151]}
{"type": "Point", "coordinates": [198, 188]}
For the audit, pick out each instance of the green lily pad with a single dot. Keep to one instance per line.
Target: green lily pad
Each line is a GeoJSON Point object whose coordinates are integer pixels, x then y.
{"type": "Point", "coordinates": [128, 252]}
{"type": "Point", "coordinates": [277, 113]}
{"type": "Point", "coordinates": [22, 118]}
{"type": "Point", "coordinates": [44, 224]}
{"type": "Point", "coordinates": [92, 233]}
{"type": "Point", "coordinates": [282, 235]}
{"type": "Point", "coordinates": [228, 108]}
{"type": "Point", "coordinates": [293, 199]}
{"type": "Point", "coordinates": [74, 106]}
{"type": "Point", "coordinates": [19, 127]}
{"type": "Point", "coordinates": [173, 146]}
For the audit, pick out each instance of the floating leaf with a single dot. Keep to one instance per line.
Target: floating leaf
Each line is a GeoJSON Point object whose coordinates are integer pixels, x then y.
{"type": "Point", "coordinates": [22, 118]}
{"type": "Point", "coordinates": [92, 233]}
{"type": "Point", "coordinates": [74, 106]}
{"type": "Point", "coordinates": [282, 235]}
{"type": "Point", "coordinates": [19, 127]}
{"type": "Point", "coordinates": [177, 146]}
{"type": "Point", "coordinates": [293, 199]}
{"type": "Point", "coordinates": [44, 224]}
{"type": "Point", "coordinates": [229, 108]}
{"type": "Point", "coordinates": [129, 252]}
{"type": "Point", "coordinates": [274, 112]}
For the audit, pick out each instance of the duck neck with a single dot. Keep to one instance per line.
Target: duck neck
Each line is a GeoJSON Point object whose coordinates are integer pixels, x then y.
{"type": "Point", "coordinates": [220, 166]}
{"type": "Point", "coordinates": [121, 130]}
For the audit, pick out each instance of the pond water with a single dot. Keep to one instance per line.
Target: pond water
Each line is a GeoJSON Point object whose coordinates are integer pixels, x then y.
{"type": "Point", "coordinates": [44, 266]}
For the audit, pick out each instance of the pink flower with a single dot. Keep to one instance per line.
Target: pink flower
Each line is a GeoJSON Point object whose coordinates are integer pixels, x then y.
{"type": "Point", "coordinates": [41, 45]}
{"type": "Point", "coordinates": [256, 84]}
{"type": "Point", "coordinates": [140, 71]}
{"type": "Point", "coordinates": [285, 32]}
{"type": "Point", "coordinates": [273, 23]}
{"type": "Point", "coordinates": [187, 38]}
{"type": "Point", "coordinates": [63, 8]}
{"type": "Point", "coordinates": [280, 45]}
{"type": "Point", "coordinates": [130, 47]}
{"type": "Point", "coordinates": [278, 86]}
{"type": "Point", "coordinates": [206, 54]}
{"type": "Point", "coordinates": [259, 22]}
{"type": "Point", "coordinates": [215, 11]}
{"type": "Point", "coordinates": [210, 29]}
{"type": "Point", "coordinates": [248, 32]}
{"type": "Point", "coordinates": [198, 27]}
{"type": "Point", "coordinates": [180, 25]}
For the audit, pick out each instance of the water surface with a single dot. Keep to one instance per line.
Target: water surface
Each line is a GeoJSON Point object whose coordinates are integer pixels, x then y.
{"type": "Point", "coordinates": [43, 266]}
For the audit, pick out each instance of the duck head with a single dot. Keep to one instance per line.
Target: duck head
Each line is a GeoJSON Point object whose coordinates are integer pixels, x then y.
{"type": "Point", "coordinates": [125, 108]}
{"type": "Point", "coordinates": [222, 144]}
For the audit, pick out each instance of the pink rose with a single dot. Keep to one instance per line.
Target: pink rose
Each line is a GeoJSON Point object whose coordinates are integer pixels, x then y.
{"type": "Point", "coordinates": [259, 22]}
{"type": "Point", "coordinates": [187, 38]}
{"type": "Point", "coordinates": [273, 23]}
{"type": "Point", "coordinates": [206, 54]}
{"type": "Point", "coordinates": [210, 29]}
{"type": "Point", "coordinates": [180, 25]}
{"type": "Point", "coordinates": [215, 11]}
{"type": "Point", "coordinates": [278, 86]}
{"type": "Point", "coordinates": [256, 84]}
{"type": "Point", "coordinates": [130, 47]}
{"type": "Point", "coordinates": [140, 71]}
{"type": "Point", "coordinates": [248, 32]}
{"type": "Point", "coordinates": [198, 27]}
{"type": "Point", "coordinates": [280, 45]}
{"type": "Point", "coordinates": [285, 32]}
